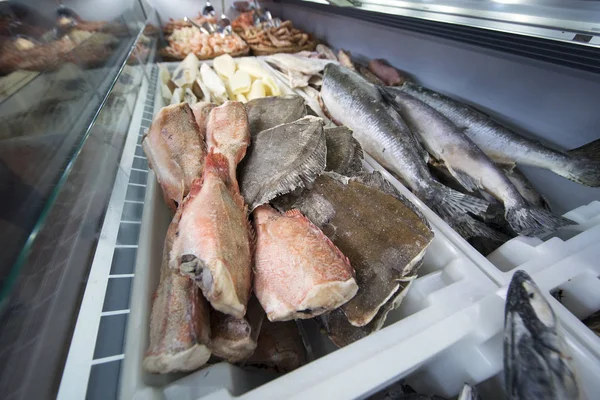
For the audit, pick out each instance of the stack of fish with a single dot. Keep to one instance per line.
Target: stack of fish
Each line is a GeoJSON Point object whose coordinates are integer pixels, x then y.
{"type": "Point", "coordinates": [244, 231]}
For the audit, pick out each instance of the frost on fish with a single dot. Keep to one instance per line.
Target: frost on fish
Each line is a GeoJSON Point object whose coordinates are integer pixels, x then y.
{"type": "Point", "coordinates": [268, 112]}
{"type": "Point", "coordinates": [174, 146]}
{"type": "Point", "coordinates": [342, 332]}
{"type": "Point", "coordinates": [201, 112]}
{"type": "Point", "coordinates": [235, 339]}
{"type": "Point", "coordinates": [213, 243]}
{"type": "Point", "coordinates": [279, 347]}
{"type": "Point", "coordinates": [382, 234]}
{"type": "Point", "coordinates": [282, 159]}
{"type": "Point", "coordinates": [536, 365]}
{"type": "Point", "coordinates": [299, 273]}
{"type": "Point", "coordinates": [344, 153]}
{"type": "Point", "coordinates": [179, 332]}
{"type": "Point", "coordinates": [228, 133]}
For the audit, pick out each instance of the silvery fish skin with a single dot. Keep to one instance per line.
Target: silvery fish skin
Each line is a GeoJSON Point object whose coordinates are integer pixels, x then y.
{"type": "Point", "coordinates": [536, 365]}
{"type": "Point", "coordinates": [268, 112]}
{"type": "Point", "coordinates": [179, 334]}
{"type": "Point", "coordinates": [525, 187]}
{"type": "Point", "coordinates": [469, 164]}
{"type": "Point", "coordinates": [382, 234]}
{"type": "Point", "coordinates": [505, 146]}
{"type": "Point", "coordinates": [357, 104]}
{"type": "Point", "coordinates": [282, 159]}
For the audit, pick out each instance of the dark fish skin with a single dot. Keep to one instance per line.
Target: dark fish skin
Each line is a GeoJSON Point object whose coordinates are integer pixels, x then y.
{"type": "Point", "coordinates": [535, 363]}
{"type": "Point", "coordinates": [344, 154]}
{"type": "Point", "coordinates": [279, 347]}
{"type": "Point", "coordinates": [268, 112]}
{"type": "Point", "coordinates": [505, 146]}
{"type": "Point", "coordinates": [357, 104]}
{"type": "Point", "coordinates": [593, 322]}
{"type": "Point", "coordinates": [470, 165]}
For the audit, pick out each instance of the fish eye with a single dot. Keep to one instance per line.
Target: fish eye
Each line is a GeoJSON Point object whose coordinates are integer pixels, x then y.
{"type": "Point", "coordinates": [531, 295]}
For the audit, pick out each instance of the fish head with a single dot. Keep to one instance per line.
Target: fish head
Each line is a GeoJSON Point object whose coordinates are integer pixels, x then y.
{"type": "Point", "coordinates": [525, 298]}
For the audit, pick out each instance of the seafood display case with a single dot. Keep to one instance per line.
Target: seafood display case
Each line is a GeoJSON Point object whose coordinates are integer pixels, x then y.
{"type": "Point", "coordinates": [85, 219]}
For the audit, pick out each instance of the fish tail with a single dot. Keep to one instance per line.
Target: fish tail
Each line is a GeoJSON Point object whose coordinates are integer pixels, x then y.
{"type": "Point", "coordinates": [532, 221]}
{"type": "Point", "coordinates": [585, 167]}
{"type": "Point", "coordinates": [469, 228]}
{"type": "Point", "coordinates": [450, 204]}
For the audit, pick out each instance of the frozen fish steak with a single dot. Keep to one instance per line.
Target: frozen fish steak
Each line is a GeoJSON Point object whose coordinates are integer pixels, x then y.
{"type": "Point", "coordinates": [213, 244]}
{"type": "Point", "coordinates": [283, 158]}
{"type": "Point", "coordinates": [299, 273]}
{"type": "Point", "coordinates": [175, 149]}
{"type": "Point", "coordinates": [383, 235]}
{"type": "Point", "coordinates": [179, 322]}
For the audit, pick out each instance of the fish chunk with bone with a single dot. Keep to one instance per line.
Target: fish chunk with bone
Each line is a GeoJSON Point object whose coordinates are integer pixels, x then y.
{"type": "Point", "coordinates": [536, 365]}
{"type": "Point", "coordinates": [383, 235]}
{"type": "Point", "coordinates": [213, 245]}
{"type": "Point", "coordinates": [179, 334]}
{"type": "Point", "coordinates": [469, 164]}
{"type": "Point", "coordinates": [280, 346]}
{"type": "Point", "coordinates": [299, 273]}
{"type": "Point", "coordinates": [174, 146]}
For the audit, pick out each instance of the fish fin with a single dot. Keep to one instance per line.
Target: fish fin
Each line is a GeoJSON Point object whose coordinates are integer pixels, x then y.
{"type": "Point", "coordinates": [449, 203]}
{"type": "Point", "coordinates": [217, 164]}
{"type": "Point", "coordinates": [585, 169]}
{"type": "Point", "coordinates": [294, 212]}
{"type": "Point", "coordinates": [466, 181]}
{"type": "Point", "coordinates": [532, 221]}
{"type": "Point", "coordinates": [468, 227]}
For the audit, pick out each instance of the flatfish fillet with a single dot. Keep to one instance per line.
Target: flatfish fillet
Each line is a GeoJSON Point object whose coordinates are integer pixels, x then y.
{"type": "Point", "coordinates": [268, 112]}
{"type": "Point", "coordinates": [382, 234]}
{"type": "Point", "coordinates": [235, 339]}
{"type": "Point", "coordinates": [344, 153]}
{"type": "Point", "coordinates": [179, 323]}
{"type": "Point", "coordinates": [175, 150]}
{"type": "Point", "coordinates": [280, 347]}
{"type": "Point", "coordinates": [213, 243]}
{"type": "Point", "coordinates": [342, 333]}
{"type": "Point", "coordinates": [227, 133]}
{"type": "Point", "coordinates": [282, 159]}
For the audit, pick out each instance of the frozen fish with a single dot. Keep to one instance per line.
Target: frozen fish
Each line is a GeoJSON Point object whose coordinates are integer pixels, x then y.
{"type": "Point", "coordinates": [469, 165]}
{"type": "Point", "coordinates": [345, 59]}
{"type": "Point", "coordinates": [235, 339]}
{"type": "Point", "coordinates": [504, 146]}
{"type": "Point", "coordinates": [388, 74]}
{"type": "Point", "coordinates": [344, 154]}
{"type": "Point", "coordinates": [298, 272]}
{"type": "Point", "coordinates": [536, 365]}
{"type": "Point", "coordinates": [281, 159]}
{"type": "Point", "coordinates": [524, 186]}
{"type": "Point", "coordinates": [227, 133]}
{"type": "Point", "coordinates": [280, 347]}
{"type": "Point", "coordinates": [213, 243]}
{"type": "Point", "coordinates": [357, 104]}
{"type": "Point", "coordinates": [593, 322]}
{"type": "Point", "coordinates": [342, 333]}
{"type": "Point", "coordinates": [268, 112]}
{"type": "Point", "coordinates": [179, 335]}
{"type": "Point", "coordinates": [201, 112]}
{"type": "Point", "coordinates": [174, 146]}
{"type": "Point", "coordinates": [382, 234]}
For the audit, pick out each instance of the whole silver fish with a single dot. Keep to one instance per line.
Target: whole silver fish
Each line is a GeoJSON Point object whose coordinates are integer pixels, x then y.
{"type": "Point", "coordinates": [504, 146]}
{"type": "Point", "coordinates": [535, 363]}
{"type": "Point", "coordinates": [525, 187]}
{"type": "Point", "coordinates": [469, 164]}
{"type": "Point", "coordinates": [357, 104]}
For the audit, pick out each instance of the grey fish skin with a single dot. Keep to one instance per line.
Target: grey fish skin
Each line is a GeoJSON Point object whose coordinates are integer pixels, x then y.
{"type": "Point", "coordinates": [268, 112]}
{"type": "Point", "coordinates": [535, 363]}
{"type": "Point", "coordinates": [505, 146]}
{"type": "Point", "coordinates": [469, 164]}
{"type": "Point", "coordinates": [344, 154]}
{"type": "Point", "coordinates": [357, 104]}
{"type": "Point", "coordinates": [525, 188]}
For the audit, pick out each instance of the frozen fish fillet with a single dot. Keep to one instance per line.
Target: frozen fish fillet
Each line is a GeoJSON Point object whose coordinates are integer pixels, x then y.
{"type": "Point", "coordinates": [235, 339]}
{"type": "Point", "coordinates": [179, 322]}
{"type": "Point", "coordinates": [280, 347]}
{"type": "Point", "coordinates": [213, 243]}
{"type": "Point", "coordinates": [281, 159]}
{"type": "Point", "coordinates": [175, 149]}
{"type": "Point", "coordinates": [299, 273]}
{"type": "Point", "coordinates": [268, 112]}
{"type": "Point", "coordinates": [342, 333]}
{"type": "Point", "coordinates": [344, 153]}
{"type": "Point", "coordinates": [382, 234]}
{"type": "Point", "coordinates": [228, 133]}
